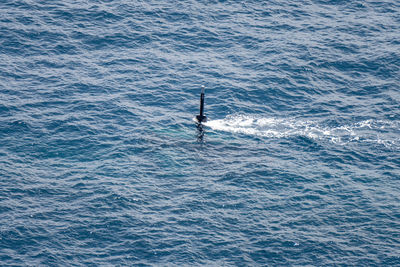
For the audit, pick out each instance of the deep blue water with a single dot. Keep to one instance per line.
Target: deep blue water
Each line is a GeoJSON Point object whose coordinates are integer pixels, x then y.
{"type": "Point", "coordinates": [102, 164]}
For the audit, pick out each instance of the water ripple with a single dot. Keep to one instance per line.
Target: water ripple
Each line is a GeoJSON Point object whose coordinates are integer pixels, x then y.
{"type": "Point", "coordinates": [101, 163]}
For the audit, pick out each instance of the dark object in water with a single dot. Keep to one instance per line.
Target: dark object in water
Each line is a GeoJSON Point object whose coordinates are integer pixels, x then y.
{"type": "Point", "coordinates": [201, 118]}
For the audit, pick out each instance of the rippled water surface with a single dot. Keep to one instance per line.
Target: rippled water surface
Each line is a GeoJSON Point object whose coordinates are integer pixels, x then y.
{"type": "Point", "coordinates": [102, 164]}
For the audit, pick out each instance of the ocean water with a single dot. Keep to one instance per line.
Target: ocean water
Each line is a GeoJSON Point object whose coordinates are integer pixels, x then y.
{"type": "Point", "coordinates": [102, 164]}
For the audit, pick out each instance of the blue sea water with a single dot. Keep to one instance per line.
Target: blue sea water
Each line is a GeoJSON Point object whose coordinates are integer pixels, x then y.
{"type": "Point", "coordinates": [102, 164]}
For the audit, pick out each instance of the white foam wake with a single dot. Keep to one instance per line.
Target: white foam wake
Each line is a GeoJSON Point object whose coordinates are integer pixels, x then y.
{"type": "Point", "coordinates": [378, 131]}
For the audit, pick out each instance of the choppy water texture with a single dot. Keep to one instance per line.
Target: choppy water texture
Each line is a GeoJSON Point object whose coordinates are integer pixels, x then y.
{"type": "Point", "coordinates": [102, 164]}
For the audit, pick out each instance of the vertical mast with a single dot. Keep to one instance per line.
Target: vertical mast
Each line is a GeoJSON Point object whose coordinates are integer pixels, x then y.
{"type": "Point", "coordinates": [201, 118]}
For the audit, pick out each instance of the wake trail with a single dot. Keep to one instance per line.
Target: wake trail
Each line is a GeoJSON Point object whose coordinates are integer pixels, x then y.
{"type": "Point", "coordinates": [375, 131]}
